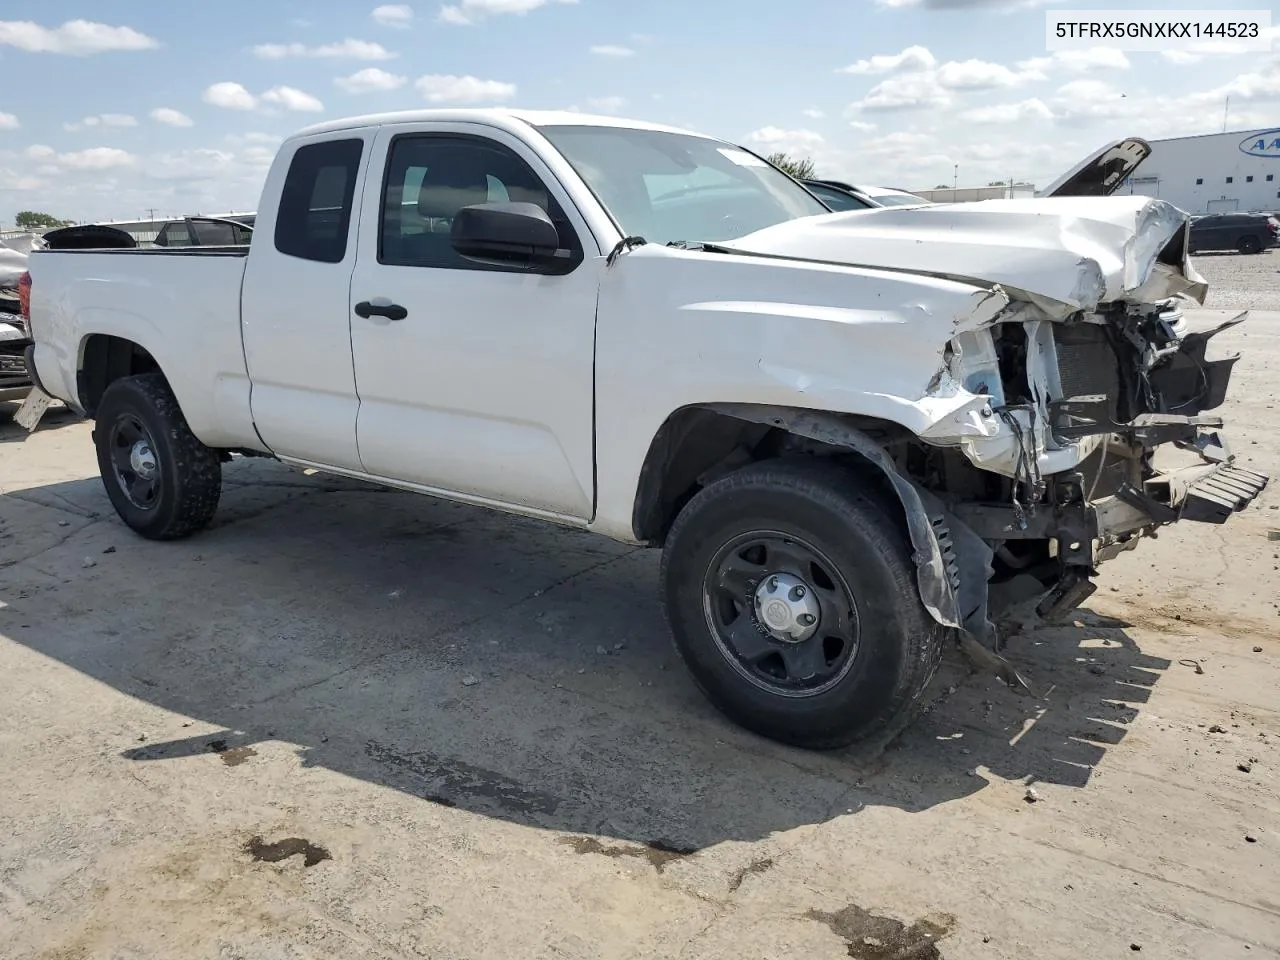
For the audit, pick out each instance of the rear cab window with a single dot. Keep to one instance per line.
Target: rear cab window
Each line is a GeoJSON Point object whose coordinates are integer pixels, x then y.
{"type": "Point", "coordinates": [314, 217]}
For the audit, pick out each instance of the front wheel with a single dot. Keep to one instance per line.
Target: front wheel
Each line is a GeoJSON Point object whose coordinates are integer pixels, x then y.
{"type": "Point", "coordinates": [163, 482]}
{"type": "Point", "coordinates": [792, 599]}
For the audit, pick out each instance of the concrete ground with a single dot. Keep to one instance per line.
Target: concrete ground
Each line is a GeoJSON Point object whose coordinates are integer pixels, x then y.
{"type": "Point", "coordinates": [354, 723]}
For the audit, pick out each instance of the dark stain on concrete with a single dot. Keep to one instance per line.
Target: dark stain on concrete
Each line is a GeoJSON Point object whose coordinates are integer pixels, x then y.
{"type": "Point", "coordinates": [283, 849]}
{"type": "Point", "coordinates": [233, 756]}
{"type": "Point", "coordinates": [659, 853]}
{"type": "Point", "coordinates": [755, 866]}
{"type": "Point", "coordinates": [869, 937]}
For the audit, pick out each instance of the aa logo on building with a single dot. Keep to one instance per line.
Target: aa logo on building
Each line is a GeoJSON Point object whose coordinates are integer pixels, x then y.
{"type": "Point", "coordinates": [1265, 144]}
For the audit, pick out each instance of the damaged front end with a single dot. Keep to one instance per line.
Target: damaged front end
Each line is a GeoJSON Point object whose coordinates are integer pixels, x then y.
{"type": "Point", "coordinates": [1096, 430]}
{"type": "Point", "coordinates": [1108, 438]}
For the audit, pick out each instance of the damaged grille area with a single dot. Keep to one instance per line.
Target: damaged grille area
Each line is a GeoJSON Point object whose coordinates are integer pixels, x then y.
{"type": "Point", "coordinates": [1087, 363]}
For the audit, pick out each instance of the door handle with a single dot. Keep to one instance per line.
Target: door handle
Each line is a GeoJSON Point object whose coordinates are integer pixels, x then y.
{"type": "Point", "coordinates": [392, 311]}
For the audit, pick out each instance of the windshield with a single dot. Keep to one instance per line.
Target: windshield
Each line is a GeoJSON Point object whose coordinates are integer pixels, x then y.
{"type": "Point", "coordinates": [673, 187]}
{"type": "Point", "coordinates": [837, 199]}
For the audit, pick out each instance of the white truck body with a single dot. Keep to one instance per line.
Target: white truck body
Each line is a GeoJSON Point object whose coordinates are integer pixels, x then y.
{"type": "Point", "coordinates": [560, 393]}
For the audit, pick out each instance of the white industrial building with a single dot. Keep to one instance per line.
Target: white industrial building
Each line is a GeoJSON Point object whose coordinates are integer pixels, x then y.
{"type": "Point", "coordinates": [1213, 173]}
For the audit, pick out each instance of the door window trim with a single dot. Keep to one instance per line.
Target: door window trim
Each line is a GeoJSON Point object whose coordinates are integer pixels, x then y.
{"type": "Point", "coordinates": [578, 248]}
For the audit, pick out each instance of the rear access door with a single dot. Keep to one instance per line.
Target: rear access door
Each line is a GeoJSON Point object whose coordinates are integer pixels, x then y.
{"type": "Point", "coordinates": [295, 300]}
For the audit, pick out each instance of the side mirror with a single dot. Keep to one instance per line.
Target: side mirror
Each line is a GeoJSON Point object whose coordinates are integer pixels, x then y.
{"type": "Point", "coordinates": [510, 234]}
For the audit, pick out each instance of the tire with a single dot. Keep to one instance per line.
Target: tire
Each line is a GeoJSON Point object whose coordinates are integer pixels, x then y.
{"type": "Point", "coordinates": [163, 482]}
{"type": "Point", "coordinates": [1249, 244]}
{"type": "Point", "coordinates": [863, 553]}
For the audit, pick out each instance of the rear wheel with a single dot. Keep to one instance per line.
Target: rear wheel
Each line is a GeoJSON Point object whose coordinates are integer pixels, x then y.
{"type": "Point", "coordinates": [1249, 244]}
{"type": "Point", "coordinates": [792, 599]}
{"type": "Point", "coordinates": [162, 481]}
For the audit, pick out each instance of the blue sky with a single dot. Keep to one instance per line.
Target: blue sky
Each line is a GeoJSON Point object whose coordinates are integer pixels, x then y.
{"type": "Point", "coordinates": [112, 108]}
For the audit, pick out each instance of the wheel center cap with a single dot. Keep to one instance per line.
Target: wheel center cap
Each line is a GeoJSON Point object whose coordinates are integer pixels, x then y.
{"type": "Point", "coordinates": [142, 460]}
{"type": "Point", "coordinates": [787, 607]}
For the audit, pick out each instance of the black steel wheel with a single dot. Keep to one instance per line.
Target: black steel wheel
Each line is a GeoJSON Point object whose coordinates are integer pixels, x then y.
{"type": "Point", "coordinates": [1249, 244]}
{"type": "Point", "coordinates": [163, 482]}
{"type": "Point", "coordinates": [792, 599]}
{"type": "Point", "coordinates": [782, 613]}
{"type": "Point", "coordinates": [133, 461]}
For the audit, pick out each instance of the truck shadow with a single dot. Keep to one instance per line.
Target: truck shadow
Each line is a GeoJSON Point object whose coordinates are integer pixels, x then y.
{"type": "Point", "coordinates": [495, 664]}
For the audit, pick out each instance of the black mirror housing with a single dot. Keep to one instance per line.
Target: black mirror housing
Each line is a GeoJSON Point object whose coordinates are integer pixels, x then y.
{"type": "Point", "coordinates": [510, 234]}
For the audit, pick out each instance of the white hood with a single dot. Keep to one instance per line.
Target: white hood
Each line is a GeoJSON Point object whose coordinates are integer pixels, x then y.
{"type": "Point", "coordinates": [1062, 253]}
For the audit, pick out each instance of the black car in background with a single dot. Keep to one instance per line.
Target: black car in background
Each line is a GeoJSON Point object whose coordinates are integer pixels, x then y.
{"type": "Point", "coordinates": [1245, 232]}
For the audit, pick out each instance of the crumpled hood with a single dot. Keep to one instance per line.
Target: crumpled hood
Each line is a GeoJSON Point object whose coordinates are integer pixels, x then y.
{"type": "Point", "coordinates": [1062, 253]}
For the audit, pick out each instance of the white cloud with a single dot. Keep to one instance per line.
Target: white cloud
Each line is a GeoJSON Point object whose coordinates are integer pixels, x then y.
{"type": "Point", "coordinates": [438, 88]}
{"type": "Point", "coordinates": [813, 113]}
{"type": "Point", "coordinates": [776, 136]}
{"type": "Point", "coordinates": [976, 75]}
{"type": "Point", "coordinates": [102, 120]}
{"type": "Point", "coordinates": [607, 104]}
{"type": "Point", "coordinates": [230, 96]}
{"type": "Point", "coordinates": [8, 122]}
{"type": "Point", "coordinates": [471, 11]}
{"type": "Point", "coordinates": [609, 50]}
{"type": "Point", "coordinates": [171, 117]}
{"type": "Point", "coordinates": [1181, 57]}
{"type": "Point", "coordinates": [1259, 85]}
{"type": "Point", "coordinates": [233, 96]}
{"type": "Point", "coordinates": [1032, 109]}
{"type": "Point", "coordinates": [398, 15]}
{"type": "Point", "coordinates": [1077, 61]}
{"type": "Point", "coordinates": [1082, 101]}
{"type": "Point", "coordinates": [862, 126]}
{"type": "Point", "coordinates": [371, 80]}
{"type": "Point", "coordinates": [292, 98]}
{"type": "Point", "coordinates": [344, 50]}
{"type": "Point", "coordinates": [95, 158]}
{"type": "Point", "coordinates": [911, 91]}
{"type": "Point", "coordinates": [75, 37]}
{"type": "Point", "coordinates": [912, 58]}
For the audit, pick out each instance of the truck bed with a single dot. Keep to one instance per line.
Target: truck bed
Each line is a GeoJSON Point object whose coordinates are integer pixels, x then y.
{"type": "Point", "coordinates": [183, 303]}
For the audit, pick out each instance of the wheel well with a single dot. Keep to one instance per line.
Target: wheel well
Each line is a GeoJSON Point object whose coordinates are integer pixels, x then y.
{"type": "Point", "coordinates": [106, 359]}
{"type": "Point", "coordinates": [696, 446]}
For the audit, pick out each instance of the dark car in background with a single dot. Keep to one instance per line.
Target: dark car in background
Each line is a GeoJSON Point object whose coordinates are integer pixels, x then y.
{"type": "Point", "coordinates": [206, 232]}
{"type": "Point", "coordinates": [1245, 232]}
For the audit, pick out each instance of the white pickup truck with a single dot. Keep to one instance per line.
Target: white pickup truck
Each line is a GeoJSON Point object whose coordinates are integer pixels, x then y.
{"type": "Point", "coordinates": [841, 428]}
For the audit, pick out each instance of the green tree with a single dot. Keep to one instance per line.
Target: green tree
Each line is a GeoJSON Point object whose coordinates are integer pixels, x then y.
{"type": "Point", "coordinates": [34, 220]}
{"type": "Point", "coordinates": [800, 169]}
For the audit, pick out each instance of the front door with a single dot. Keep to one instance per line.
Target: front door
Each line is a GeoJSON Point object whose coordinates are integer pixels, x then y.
{"type": "Point", "coordinates": [482, 384]}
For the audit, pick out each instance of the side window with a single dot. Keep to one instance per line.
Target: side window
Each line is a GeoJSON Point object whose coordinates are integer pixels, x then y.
{"type": "Point", "coordinates": [430, 178]}
{"type": "Point", "coordinates": [212, 234]}
{"type": "Point", "coordinates": [173, 235]}
{"type": "Point", "coordinates": [315, 204]}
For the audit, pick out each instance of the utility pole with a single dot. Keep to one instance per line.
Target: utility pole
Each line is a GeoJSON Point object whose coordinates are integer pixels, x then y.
{"type": "Point", "coordinates": [1225, 107]}
{"type": "Point", "coordinates": [955, 182]}
{"type": "Point", "coordinates": [151, 213]}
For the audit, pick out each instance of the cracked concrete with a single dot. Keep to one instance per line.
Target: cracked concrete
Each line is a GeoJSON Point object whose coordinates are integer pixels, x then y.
{"type": "Point", "coordinates": [573, 804]}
